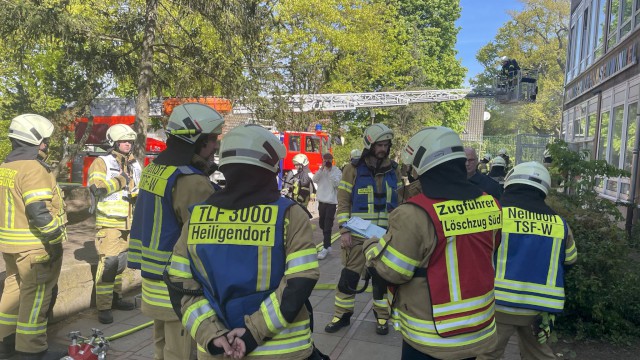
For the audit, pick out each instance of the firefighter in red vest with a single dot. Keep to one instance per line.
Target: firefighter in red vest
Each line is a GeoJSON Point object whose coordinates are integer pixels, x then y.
{"type": "Point", "coordinates": [438, 251]}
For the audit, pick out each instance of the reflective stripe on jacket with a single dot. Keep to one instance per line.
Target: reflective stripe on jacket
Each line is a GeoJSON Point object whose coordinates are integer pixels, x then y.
{"type": "Point", "coordinates": [529, 264]}
{"type": "Point", "coordinates": [253, 237]}
{"type": "Point", "coordinates": [24, 182]}
{"type": "Point", "coordinates": [113, 209]}
{"type": "Point", "coordinates": [462, 297]}
{"type": "Point", "coordinates": [370, 203]}
{"type": "Point", "coordinates": [155, 228]}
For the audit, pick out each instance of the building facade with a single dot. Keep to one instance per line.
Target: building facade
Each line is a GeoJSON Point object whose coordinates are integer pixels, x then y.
{"type": "Point", "coordinates": [602, 87]}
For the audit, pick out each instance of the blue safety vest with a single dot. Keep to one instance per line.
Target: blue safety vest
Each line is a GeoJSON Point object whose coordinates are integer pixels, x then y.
{"type": "Point", "coordinates": [529, 263]}
{"type": "Point", "coordinates": [370, 203]}
{"type": "Point", "coordinates": [238, 256]}
{"type": "Point", "coordinates": [155, 228]}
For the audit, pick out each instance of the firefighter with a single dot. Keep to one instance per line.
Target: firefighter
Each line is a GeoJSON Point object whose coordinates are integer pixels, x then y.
{"type": "Point", "coordinates": [507, 160]}
{"type": "Point", "coordinates": [245, 265]}
{"type": "Point", "coordinates": [113, 182]}
{"type": "Point", "coordinates": [175, 180]}
{"type": "Point", "coordinates": [301, 186]}
{"type": "Point", "coordinates": [438, 250]}
{"type": "Point", "coordinates": [538, 247]}
{"type": "Point", "coordinates": [483, 166]}
{"type": "Point", "coordinates": [368, 189]}
{"type": "Point", "coordinates": [498, 170]}
{"type": "Point", "coordinates": [32, 229]}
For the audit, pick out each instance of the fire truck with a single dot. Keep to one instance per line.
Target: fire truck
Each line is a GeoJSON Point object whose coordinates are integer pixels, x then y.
{"type": "Point", "coordinates": [110, 111]}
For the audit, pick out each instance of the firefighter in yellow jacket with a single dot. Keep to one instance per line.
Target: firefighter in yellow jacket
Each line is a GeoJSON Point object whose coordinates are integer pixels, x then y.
{"type": "Point", "coordinates": [113, 182]}
{"type": "Point", "coordinates": [32, 229]}
{"type": "Point", "coordinates": [245, 265]}
{"type": "Point", "coordinates": [438, 255]}
{"type": "Point", "coordinates": [177, 179]}
{"type": "Point", "coordinates": [369, 190]}
{"type": "Point", "coordinates": [537, 248]}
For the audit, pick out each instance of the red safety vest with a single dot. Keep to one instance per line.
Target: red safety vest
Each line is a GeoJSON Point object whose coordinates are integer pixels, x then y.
{"type": "Point", "coordinates": [460, 274]}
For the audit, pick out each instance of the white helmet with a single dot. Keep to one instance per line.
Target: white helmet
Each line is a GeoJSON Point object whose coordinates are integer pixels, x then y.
{"type": "Point", "coordinates": [252, 144]}
{"type": "Point", "coordinates": [188, 121]}
{"type": "Point", "coordinates": [375, 133]}
{"type": "Point", "coordinates": [120, 132]}
{"type": "Point", "coordinates": [30, 128]}
{"type": "Point", "coordinates": [487, 157]}
{"type": "Point", "coordinates": [498, 161]}
{"type": "Point", "coordinates": [356, 154]}
{"type": "Point", "coordinates": [504, 58]}
{"type": "Point", "coordinates": [432, 146]}
{"type": "Point", "coordinates": [502, 152]}
{"type": "Point", "coordinates": [301, 159]}
{"type": "Point", "coordinates": [531, 173]}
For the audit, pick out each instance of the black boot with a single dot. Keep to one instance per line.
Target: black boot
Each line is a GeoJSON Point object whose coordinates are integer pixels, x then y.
{"type": "Point", "coordinates": [382, 328]}
{"type": "Point", "coordinates": [120, 304]}
{"type": "Point", "coordinates": [105, 316]}
{"type": "Point", "coordinates": [8, 347]}
{"type": "Point", "coordinates": [44, 355]}
{"type": "Point", "coordinates": [338, 323]}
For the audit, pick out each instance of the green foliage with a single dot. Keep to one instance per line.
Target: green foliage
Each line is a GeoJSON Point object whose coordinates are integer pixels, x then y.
{"type": "Point", "coordinates": [536, 38]}
{"type": "Point", "coordinates": [603, 287]}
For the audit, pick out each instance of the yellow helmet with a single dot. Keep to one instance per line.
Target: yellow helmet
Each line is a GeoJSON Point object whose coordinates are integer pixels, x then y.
{"type": "Point", "coordinates": [120, 132]}
{"type": "Point", "coordinates": [531, 173]}
{"type": "Point", "coordinates": [188, 121]}
{"type": "Point", "coordinates": [30, 128]}
{"type": "Point", "coordinates": [375, 133]}
{"type": "Point", "coordinates": [254, 145]}
{"type": "Point", "coordinates": [432, 146]}
{"type": "Point", "coordinates": [300, 159]}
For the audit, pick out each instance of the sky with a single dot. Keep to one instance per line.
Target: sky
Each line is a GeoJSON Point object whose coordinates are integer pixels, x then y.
{"type": "Point", "coordinates": [479, 23]}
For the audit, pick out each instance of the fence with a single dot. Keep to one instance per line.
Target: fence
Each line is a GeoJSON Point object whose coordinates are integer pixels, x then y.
{"type": "Point", "coordinates": [526, 147]}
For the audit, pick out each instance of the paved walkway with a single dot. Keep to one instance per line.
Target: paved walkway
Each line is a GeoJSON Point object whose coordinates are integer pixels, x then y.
{"type": "Point", "coordinates": [358, 341]}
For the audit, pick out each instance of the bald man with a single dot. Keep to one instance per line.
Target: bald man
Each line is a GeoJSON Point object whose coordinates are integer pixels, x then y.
{"type": "Point", "coordinates": [484, 182]}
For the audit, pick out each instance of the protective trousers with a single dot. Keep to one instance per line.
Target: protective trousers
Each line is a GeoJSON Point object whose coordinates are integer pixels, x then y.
{"type": "Point", "coordinates": [530, 348]}
{"type": "Point", "coordinates": [112, 246]}
{"type": "Point", "coordinates": [353, 259]}
{"type": "Point", "coordinates": [171, 340]}
{"type": "Point", "coordinates": [327, 214]}
{"type": "Point", "coordinates": [27, 298]}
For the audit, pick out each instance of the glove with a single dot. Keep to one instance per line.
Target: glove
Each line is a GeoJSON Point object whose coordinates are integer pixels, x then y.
{"type": "Point", "coordinates": [543, 326]}
{"type": "Point", "coordinates": [55, 251]}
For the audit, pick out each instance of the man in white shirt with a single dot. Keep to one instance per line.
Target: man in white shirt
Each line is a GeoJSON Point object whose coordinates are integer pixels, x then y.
{"type": "Point", "coordinates": [327, 179]}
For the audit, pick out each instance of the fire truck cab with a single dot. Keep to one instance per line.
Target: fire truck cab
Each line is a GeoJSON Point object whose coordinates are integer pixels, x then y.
{"type": "Point", "coordinates": [313, 144]}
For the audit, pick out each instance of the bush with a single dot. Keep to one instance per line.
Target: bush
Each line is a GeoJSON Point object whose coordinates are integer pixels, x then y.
{"type": "Point", "coordinates": [603, 287]}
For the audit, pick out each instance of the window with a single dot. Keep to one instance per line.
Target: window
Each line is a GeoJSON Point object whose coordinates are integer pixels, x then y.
{"type": "Point", "coordinates": [604, 131]}
{"type": "Point", "coordinates": [627, 11]}
{"type": "Point", "coordinates": [294, 143]}
{"type": "Point", "coordinates": [631, 135]}
{"type": "Point", "coordinates": [576, 47]}
{"type": "Point", "coordinates": [591, 126]}
{"type": "Point", "coordinates": [637, 21]}
{"type": "Point", "coordinates": [613, 23]}
{"type": "Point", "coordinates": [600, 28]}
{"type": "Point", "coordinates": [616, 135]}
{"type": "Point", "coordinates": [570, 52]}
{"type": "Point", "coordinates": [312, 144]}
{"type": "Point", "coordinates": [578, 129]}
{"type": "Point", "coordinates": [584, 43]}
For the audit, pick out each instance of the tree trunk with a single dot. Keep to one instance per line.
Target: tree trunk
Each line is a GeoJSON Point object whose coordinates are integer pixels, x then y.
{"type": "Point", "coordinates": [145, 79]}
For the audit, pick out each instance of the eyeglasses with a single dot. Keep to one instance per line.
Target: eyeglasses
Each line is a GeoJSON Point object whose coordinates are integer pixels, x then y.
{"type": "Point", "coordinates": [130, 142]}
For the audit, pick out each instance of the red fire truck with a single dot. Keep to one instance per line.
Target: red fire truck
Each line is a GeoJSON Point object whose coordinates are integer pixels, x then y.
{"type": "Point", "coordinates": [111, 111]}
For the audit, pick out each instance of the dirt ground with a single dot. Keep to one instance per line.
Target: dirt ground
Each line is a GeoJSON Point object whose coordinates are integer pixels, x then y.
{"type": "Point", "coordinates": [567, 348]}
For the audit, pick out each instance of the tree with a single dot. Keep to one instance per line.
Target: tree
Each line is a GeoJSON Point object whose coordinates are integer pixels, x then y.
{"type": "Point", "coordinates": [536, 38]}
